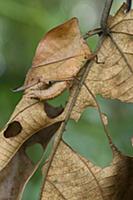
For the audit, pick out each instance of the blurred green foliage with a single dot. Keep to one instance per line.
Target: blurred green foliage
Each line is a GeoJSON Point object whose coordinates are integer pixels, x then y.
{"type": "Point", "coordinates": [22, 25]}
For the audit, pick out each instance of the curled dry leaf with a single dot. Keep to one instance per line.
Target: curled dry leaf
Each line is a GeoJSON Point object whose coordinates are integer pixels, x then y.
{"type": "Point", "coordinates": [112, 75]}
{"type": "Point", "coordinates": [73, 177]}
{"type": "Point", "coordinates": [60, 55]}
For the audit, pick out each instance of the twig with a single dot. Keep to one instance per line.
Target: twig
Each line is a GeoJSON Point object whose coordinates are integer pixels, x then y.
{"type": "Point", "coordinates": [100, 114]}
{"type": "Point", "coordinates": [92, 32]}
{"type": "Point", "coordinates": [105, 15]}
{"type": "Point", "coordinates": [68, 111]}
{"type": "Point", "coordinates": [107, 31]}
{"type": "Point", "coordinates": [104, 19]}
{"type": "Point", "coordinates": [129, 4]}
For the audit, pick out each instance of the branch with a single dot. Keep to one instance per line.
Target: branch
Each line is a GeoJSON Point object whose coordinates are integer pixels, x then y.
{"type": "Point", "coordinates": [105, 14]}
{"type": "Point", "coordinates": [92, 32]}
{"type": "Point", "coordinates": [104, 19]}
{"type": "Point", "coordinates": [129, 4]}
{"type": "Point", "coordinates": [68, 111]}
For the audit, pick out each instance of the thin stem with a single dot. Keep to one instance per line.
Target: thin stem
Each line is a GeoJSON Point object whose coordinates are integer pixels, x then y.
{"type": "Point", "coordinates": [105, 14]}
{"type": "Point", "coordinates": [129, 4]}
{"type": "Point", "coordinates": [104, 19]}
{"type": "Point", "coordinates": [100, 113]}
{"type": "Point", "coordinates": [68, 110]}
{"type": "Point", "coordinates": [92, 32]}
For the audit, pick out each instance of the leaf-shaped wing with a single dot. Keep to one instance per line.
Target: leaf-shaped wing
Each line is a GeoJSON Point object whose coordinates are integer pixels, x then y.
{"type": "Point", "coordinates": [73, 177]}
{"type": "Point", "coordinates": [60, 54]}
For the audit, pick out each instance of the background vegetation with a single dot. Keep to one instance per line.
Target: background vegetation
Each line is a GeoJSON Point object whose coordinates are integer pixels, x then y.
{"type": "Point", "coordinates": [22, 25]}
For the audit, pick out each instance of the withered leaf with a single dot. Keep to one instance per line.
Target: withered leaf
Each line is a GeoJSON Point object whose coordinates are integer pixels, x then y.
{"type": "Point", "coordinates": [73, 177]}
{"type": "Point", "coordinates": [32, 117]}
{"type": "Point", "coordinates": [112, 75]}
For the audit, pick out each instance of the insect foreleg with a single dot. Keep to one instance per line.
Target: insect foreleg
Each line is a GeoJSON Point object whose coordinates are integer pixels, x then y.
{"type": "Point", "coordinates": [49, 93]}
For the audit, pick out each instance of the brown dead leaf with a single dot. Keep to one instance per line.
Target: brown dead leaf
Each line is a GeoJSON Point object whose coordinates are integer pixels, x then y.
{"type": "Point", "coordinates": [73, 177]}
{"type": "Point", "coordinates": [32, 117]}
{"type": "Point", "coordinates": [112, 76]}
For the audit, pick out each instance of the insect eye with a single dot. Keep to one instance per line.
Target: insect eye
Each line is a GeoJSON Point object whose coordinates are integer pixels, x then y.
{"type": "Point", "coordinates": [50, 83]}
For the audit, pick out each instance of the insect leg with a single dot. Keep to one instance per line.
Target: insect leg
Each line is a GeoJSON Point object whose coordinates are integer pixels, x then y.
{"type": "Point", "coordinates": [49, 93]}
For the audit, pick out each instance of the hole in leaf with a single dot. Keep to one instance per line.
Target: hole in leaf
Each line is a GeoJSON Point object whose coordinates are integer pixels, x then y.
{"type": "Point", "coordinates": [34, 152]}
{"type": "Point", "coordinates": [120, 126]}
{"type": "Point", "coordinates": [60, 100]}
{"type": "Point", "coordinates": [51, 111]}
{"type": "Point", "coordinates": [54, 107]}
{"type": "Point", "coordinates": [88, 138]}
{"type": "Point", "coordinates": [13, 129]}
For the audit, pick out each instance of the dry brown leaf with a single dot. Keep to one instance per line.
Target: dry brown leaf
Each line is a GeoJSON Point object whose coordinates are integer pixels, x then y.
{"type": "Point", "coordinates": [73, 177]}
{"type": "Point", "coordinates": [111, 77]}
{"type": "Point", "coordinates": [61, 48]}
{"type": "Point", "coordinates": [15, 175]}
{"type": "Point", "coordinates": [32, 118]}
